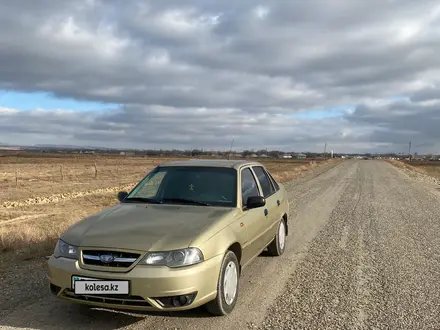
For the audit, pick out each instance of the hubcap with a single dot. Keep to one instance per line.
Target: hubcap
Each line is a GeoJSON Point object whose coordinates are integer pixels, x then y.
{"type": "Point", "coordinates": [282, 235]}
{"type": "Point", "coordinates": [230, 282]}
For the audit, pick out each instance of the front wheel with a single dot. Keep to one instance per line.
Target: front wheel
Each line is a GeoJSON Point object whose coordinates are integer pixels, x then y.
{"type": "Point", "coordinates": [278, 245]}
{"type": "Point", "coordinates": [227, 286]}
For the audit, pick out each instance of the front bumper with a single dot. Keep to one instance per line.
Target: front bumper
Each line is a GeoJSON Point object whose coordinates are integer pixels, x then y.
{"type": "Point", "coordinates": [146, 283]}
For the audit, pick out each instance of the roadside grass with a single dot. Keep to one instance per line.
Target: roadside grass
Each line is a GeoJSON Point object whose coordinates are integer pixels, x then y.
{"type": "Point", "coordinates": [430, 168]}
{"type": "Point", "coordinates": [35, 233]}
{"type": "Point", "coordinates": [29, 239]}
{"type": "Point", "coordinates": [31, 231]}
{"type": "Point", "coordinates": [286, 174]}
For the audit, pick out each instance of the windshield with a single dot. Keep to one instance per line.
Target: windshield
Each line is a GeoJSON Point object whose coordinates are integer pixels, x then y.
{"type": "Point", "coordinates": [195, 185]}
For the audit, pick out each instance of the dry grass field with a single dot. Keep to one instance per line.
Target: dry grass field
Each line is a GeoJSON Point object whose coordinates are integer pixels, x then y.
{"type": "Point", "coordinates": [431, 168]}
{"type": "Point", "coordinates": [42, 195]}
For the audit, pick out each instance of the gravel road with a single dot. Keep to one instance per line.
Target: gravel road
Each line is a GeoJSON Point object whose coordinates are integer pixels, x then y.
{"type": "Point", "coordinates": [363, 253]}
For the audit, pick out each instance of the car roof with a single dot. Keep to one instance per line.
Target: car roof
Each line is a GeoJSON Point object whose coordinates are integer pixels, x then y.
{"type": "Point", "coordinates": [225, 163]}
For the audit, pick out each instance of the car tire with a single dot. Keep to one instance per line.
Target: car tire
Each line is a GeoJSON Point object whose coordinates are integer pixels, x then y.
{"type": "Point", "coordinates": [223, 304]}
{"type": "Point", "coordinates": [278, 245]}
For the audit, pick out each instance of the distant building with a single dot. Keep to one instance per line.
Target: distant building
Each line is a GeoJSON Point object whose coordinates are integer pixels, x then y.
{"type": "Point", "coordinates": [127, 153]}
{"type": "Point", "coordinates": [10, 148]}
{"type": "Point", "coordinates": [301, 156]}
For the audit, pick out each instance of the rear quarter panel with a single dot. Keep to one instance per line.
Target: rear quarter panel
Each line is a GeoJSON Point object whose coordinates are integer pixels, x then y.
{"type": "Point", "coordinates": [285, 203]}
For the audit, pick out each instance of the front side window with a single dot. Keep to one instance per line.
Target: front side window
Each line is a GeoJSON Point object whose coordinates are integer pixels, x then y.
{"type": "Point", "coordinates": [214, 186]}
{"type": "Point", "coordinates": [249, 186]}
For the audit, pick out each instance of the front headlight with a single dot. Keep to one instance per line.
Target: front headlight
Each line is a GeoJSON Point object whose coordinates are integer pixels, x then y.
{"type": "Point", "coordinates": [175, 258]}
{"type": "Point", "coordinates": [62, 249]}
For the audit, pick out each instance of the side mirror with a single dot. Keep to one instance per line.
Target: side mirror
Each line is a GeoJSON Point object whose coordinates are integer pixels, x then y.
{"type": "Point", "coordinates": [254, 202]}
{"type": "Point", "coordinates": [122, 195]}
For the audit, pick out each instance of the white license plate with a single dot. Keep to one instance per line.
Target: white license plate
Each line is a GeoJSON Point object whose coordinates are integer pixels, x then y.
{"type": "Point", "coordinates": [85, 285]}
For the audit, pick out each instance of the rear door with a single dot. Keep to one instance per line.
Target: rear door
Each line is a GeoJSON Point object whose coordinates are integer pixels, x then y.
{"type": "Point", "coordinates": [282, 201]}
{"type": "Point", "coordinates": [272, 203]}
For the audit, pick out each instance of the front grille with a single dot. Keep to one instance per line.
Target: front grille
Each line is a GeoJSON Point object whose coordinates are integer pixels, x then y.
{"type": "Point", "coordinates": [120, 299]}
{"type": "Point", "coordinates": [109, 258]}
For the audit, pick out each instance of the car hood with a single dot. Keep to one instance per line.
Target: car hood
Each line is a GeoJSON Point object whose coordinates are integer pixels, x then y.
{"type": "Point", "coordinates": [144, 227]}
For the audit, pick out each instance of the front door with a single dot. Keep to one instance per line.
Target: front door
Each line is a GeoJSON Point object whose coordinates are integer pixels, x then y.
{"type": "Point", "coordinates": [255, 220]}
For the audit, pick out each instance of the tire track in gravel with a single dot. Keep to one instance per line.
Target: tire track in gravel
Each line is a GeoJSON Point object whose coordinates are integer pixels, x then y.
{"type": "Point", "coordinates": [384, 274]}
{"type": "Point", "coordinates": [330, 287]}
{"type": "Point", "coordinates": [409, 256]}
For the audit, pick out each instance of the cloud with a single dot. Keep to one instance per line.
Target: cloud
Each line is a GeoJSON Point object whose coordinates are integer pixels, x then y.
{"type": "Point", "coordinates": [400, 121]}
{"type": "Point", "coordinates": [197, 74]}
{"type": "Point", "coordinates": [141, 126]}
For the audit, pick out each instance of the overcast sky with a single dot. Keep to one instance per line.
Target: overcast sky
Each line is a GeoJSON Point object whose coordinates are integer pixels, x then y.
{"type": "Point", "coordinates": [362, 76]}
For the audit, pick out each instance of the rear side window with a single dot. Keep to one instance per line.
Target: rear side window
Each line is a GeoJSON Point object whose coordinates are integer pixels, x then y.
{"type": "Point", "coordinates": [265, 183]}
{"type": "Point", "coordinates": [276, 185]}
{"type": "Point", "coordinates": [249, 186]}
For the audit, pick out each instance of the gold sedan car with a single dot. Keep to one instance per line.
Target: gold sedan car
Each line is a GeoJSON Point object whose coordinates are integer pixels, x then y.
{"type": "Point", "coordinates": [178, 240]}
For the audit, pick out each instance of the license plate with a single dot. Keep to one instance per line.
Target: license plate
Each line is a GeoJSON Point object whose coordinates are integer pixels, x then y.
{"type": "Point", "coordinates": [86, 285]}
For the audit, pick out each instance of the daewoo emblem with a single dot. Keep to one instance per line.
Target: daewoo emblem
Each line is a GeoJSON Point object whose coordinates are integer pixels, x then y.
{"type": "Point", "coordinates": [106, 258]}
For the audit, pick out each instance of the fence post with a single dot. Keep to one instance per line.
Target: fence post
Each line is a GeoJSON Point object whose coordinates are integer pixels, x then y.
{"type": "Point", "coordinates": [61, 172]}
{"type": "Point", "coordinates": [16, 178]}
{"type": "Point", "coordinates": [96, 170]}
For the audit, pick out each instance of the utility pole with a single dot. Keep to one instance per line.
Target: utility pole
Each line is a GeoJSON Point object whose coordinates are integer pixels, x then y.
{"type": "Point", "coordinates": [409, 151]}
{"type": "Point", "coordinates": [230, 150]}
{"type": "Point", "coordinates": [325, 150]}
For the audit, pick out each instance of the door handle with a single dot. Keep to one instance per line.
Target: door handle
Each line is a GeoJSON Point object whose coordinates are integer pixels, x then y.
{"type": "Point", "coordinates": [266, 212]}
{"type": "Point", "coordinates": [278, 202]}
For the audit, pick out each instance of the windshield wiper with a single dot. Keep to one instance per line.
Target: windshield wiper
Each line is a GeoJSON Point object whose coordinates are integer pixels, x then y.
{"type": "Point", "coordinates": [185, 201]}
{"type": "Point", "coordinates": [143, 199]}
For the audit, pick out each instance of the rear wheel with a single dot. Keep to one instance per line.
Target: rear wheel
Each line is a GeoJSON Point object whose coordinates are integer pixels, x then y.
{"type": "Point", "coordinates": [278, 245]}
{"type": "Point", "coordinates": [227, 286]}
